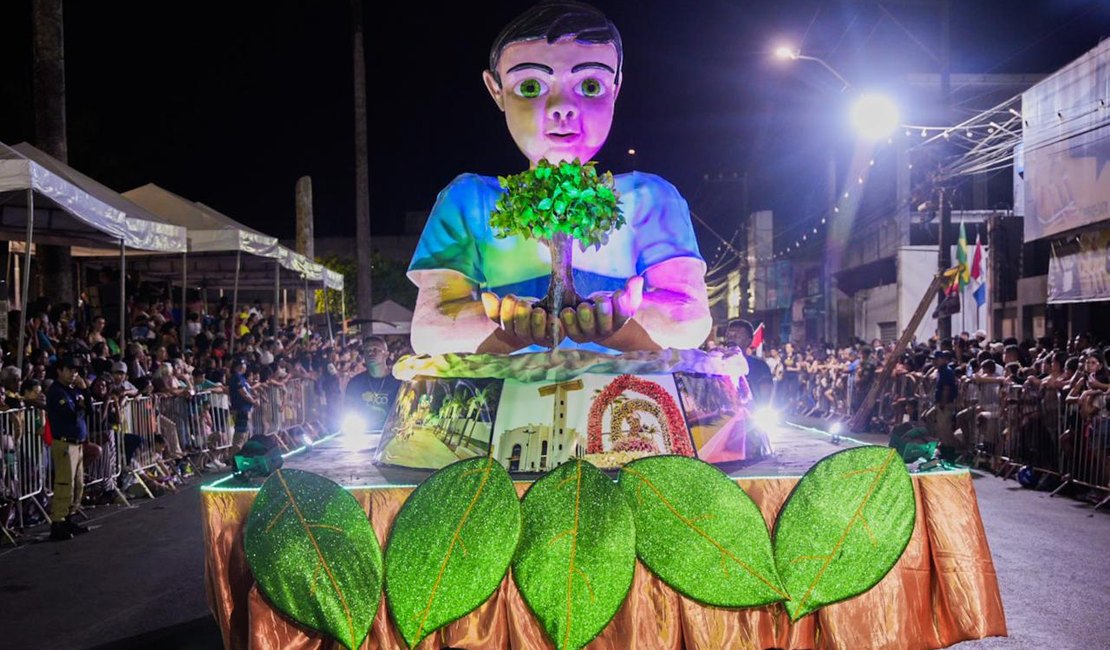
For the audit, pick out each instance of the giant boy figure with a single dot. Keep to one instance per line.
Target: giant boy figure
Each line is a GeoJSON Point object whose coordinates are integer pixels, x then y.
{"type": "Point", "coordinates": [555, 72]}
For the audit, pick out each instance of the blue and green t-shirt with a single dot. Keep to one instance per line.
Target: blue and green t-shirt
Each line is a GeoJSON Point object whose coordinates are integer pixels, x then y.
{"type": "Point", "coordinates": [458, 237]}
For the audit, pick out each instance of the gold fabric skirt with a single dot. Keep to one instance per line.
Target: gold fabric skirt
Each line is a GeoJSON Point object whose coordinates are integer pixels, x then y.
{"type": "Point", "coordinates": [943, 590]}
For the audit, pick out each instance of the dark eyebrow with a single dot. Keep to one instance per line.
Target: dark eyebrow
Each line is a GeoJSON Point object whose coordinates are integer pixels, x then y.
{"type": "Point", "coordinates": [592, 64]}
{"type": "Point", "coordinates": [531, 66]}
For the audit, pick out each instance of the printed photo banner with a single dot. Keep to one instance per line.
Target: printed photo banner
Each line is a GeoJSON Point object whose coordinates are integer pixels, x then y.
{"type": "Point", "coordinates": [1080, 274]}
{"type": "Point", "coordinates": [533, 427]}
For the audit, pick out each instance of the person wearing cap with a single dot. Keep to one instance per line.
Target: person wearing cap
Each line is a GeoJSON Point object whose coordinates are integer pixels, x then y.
{"type": "Point", "coordinates": [120, 386]}
{"type": "Point", "coordinates": [242, 401]}
{"type": "Point", "coordinates": [65, 409]}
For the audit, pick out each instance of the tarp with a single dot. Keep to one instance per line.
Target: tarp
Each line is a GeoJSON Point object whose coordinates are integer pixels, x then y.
{"type": "Point", "coordinates": [390, 318]}
{"type": "Point", "coordinates": [208, 230]}
{"type": "Point", "coordinates": [76, 208]}
{"type": "Point", "coordinates": [211, 231]}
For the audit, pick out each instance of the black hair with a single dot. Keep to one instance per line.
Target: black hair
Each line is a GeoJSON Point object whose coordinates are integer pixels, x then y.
{"type": "Point", "coordinates": [555, 19]}
{"type": "Point", "coordinates": [740, 322]}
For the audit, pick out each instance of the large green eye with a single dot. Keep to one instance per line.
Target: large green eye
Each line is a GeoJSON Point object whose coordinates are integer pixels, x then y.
{"type": "Point", "coordinates": [591, 88]}
{"type": "Point", "coordinates": [530, 88]}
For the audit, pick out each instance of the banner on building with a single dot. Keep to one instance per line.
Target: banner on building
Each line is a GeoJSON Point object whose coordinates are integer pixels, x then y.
{"type": "Point", "coordinates": [1079, 269]}
{"type": "Point", "coordinates": [1066, 147]}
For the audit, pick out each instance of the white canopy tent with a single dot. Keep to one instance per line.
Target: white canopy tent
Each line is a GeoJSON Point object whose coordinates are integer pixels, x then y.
{"type": "Point", "coordinates": [390, 318]}
{"type": "Point", "coordinates": [72, 209]}
{"type": "Point", "coordinates": [215, 236]}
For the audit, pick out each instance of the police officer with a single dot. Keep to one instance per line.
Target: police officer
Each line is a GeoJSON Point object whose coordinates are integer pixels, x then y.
{"type": "Point", "coordinates": [65, 409]}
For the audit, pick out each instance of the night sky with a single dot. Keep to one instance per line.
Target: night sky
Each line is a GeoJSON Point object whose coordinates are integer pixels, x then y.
{"type": "Point", "coordinates": [229, 105]}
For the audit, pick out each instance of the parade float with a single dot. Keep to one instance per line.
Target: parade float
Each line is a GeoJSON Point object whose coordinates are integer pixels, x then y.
{"type": "Point", "coordinates": [579, 474]}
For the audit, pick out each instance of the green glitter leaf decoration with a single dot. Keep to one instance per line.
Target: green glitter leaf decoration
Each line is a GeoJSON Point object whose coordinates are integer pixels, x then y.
{"type": "Point", "coordinates": [314, 554]}
{"type": "Point", "coordinates": [844, 527]}
{"type": "Point", "coordinates": [577, 553]}
{"type": "Point", "coordinates": [700, 532]}
{"type": "Point", "coordinates": [450, 546]}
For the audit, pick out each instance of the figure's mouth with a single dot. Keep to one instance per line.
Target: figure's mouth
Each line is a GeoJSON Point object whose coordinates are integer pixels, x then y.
{"type": "Point", "coordinates": [563, 136]}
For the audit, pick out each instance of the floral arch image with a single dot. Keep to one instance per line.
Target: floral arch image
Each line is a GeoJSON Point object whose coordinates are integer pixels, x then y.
{"type": "Point", "coordinates": [639, 422]}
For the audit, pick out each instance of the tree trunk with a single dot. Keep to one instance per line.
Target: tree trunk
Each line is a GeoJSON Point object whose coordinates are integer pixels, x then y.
{"type": "Point", "coordinates": [362, 173]}
{"type": "Point", "coordinates": [50, 131]}
{"type": "Point", "coordinates": [560, 291]}
{"type": "Point", "coordinates": [306, 229]}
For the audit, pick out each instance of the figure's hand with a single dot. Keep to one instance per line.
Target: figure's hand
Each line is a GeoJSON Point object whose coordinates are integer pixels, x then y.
{"type": "Point", "coordinates": [605, 314]}
{"type": "Point", "coordinates": [522, 320]}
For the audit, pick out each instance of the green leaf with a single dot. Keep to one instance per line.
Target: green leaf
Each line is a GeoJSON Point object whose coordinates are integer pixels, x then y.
{"type": "Point", "coordinates": [700, 533]}
{"type": "Point", "coordinates": [560, 207]}
{"type": "Point", "coordinates": [544, 205]}
{"type": "Point", "coordinates": [314, 555]}
{"type": "Point", "coordinates": [450, 546]}
{"type": "Point", "coordinates": [844, 527]}
{"type": "Point", "coordinates": [577, 552]}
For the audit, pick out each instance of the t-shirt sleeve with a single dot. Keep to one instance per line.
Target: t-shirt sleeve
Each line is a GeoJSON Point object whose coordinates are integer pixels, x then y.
{"type": "Point", "coordinates": [662, 223]}
{"type": "Point", "coordinates": [448, 241]}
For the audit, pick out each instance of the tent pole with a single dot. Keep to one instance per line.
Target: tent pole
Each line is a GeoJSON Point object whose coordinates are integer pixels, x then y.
{"type": "Point", "coordinates": [122, 298]}
{"type": "Point", "coordinates": [277, 297]}
{"type": "Point", "coordinates": [307, 315]}
{"type": "Point", "coordinates": [327, 313]}
{"type": "Point", "coordinates": [235, 303]}
{"type": "Point", "coordinates": [184, 286]}
{"type": "Point", "coordinates": [26, 277]}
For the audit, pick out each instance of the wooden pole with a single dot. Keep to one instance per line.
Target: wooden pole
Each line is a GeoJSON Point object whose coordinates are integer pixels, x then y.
{"type": "Point", "coordinates": [859, 419]}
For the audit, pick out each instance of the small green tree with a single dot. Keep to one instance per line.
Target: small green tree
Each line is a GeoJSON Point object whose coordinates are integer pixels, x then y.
{"type": "Point", "coordinates": [558, 204]}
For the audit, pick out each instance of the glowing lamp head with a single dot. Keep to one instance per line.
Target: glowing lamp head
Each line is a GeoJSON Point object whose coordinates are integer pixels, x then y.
{"type": "Point", "coordinates": [836, 428]}
{"type": "Point", "coordinates": [767, 418]}
{"type": "Point", "coordinates": [353, 424]}
{"type": "Point", "coordinates": [786, 53]}
{"type": "Point", "coordinates": [875, 117]}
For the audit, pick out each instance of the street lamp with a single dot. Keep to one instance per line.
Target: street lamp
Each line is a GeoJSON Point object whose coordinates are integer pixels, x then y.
{"type": "Point", "coordinates": [874, 116]}
{"type": "Point", "coordinates": [787, 53]}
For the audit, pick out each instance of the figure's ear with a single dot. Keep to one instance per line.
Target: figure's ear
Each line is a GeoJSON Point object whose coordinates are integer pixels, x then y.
{"type": "Point", "coordinates": [494, 89]}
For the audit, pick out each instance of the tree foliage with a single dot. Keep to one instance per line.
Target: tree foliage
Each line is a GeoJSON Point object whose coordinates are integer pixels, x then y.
{"type": "Point", "coordinates": [570, 198]}
{"type": "Point", "coordinates": [390, 283]}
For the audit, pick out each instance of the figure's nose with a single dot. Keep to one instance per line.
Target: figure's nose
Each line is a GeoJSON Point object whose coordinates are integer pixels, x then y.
{"type": "Point", "coordinates": [560, 107]}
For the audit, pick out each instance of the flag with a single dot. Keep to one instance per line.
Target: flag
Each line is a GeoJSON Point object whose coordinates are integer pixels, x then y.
{"type": "Point", "coordinates": [757, 338]}
{"type": "Point", "coordinates": [978, 278]}
{"type": "Point", "coordinates": [961, 257]}
{"type": "Point", "coordinates": [953, 280]}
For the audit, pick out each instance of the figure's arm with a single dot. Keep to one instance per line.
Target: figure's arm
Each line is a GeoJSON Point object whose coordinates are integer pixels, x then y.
{"type": "Point", "coordinates": [449, 317]}
{"type": "Point", "coordinates": [674, 312]}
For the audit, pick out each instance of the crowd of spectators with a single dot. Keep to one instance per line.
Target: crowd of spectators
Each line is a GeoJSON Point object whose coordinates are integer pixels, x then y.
{"type": "Point", "coordinates": [974, 394]}
{"type": "Point", "coordinates": [238, 368]}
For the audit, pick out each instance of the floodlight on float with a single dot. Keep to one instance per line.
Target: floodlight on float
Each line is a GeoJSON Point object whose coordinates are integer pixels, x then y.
{"type": "Point", "coordinates": [353, 423]}
{"type": "Point", "coordinates": [767, 418]}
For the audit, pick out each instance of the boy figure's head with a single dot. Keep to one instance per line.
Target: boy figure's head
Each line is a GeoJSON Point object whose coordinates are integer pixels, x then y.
{"type": "Point", "coordinates": [555, 72]}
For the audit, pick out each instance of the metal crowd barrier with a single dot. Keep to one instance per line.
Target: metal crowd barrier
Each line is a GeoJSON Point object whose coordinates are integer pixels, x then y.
{"type": "Point", "coordinates": [105, 430]}
{"type": "Point", "coordinates": [25, 473]}
{"type": "Point", "coordinates": [126, 430]}
{"type": "Point", "coordinates": [1010, 426]}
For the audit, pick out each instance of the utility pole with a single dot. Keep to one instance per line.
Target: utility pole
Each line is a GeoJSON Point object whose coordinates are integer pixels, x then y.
{"type": "Point", "coordinates": [944, 255]}
{"type": "Point", "coordinates": [362, 173]}
{"type": "Point", "coordinates": [55, 263]}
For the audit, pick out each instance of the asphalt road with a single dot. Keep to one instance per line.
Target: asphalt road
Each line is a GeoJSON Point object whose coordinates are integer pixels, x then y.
{"type": "Point", "coordinates": [137, 580]}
